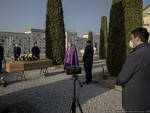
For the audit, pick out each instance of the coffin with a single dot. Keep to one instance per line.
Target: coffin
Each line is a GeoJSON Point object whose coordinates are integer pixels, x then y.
{"type": "Point", "coordinates": [15, 66]}
{"type": "Point", "coordinates": [37, 64]}
{"type": "Point", "coordinates": [18, 66]}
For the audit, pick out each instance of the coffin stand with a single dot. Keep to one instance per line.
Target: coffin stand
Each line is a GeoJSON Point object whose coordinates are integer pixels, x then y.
{"type": "Point", "coordinates": [20, 66]}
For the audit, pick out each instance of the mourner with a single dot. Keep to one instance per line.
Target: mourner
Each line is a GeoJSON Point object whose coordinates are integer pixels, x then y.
{"type": "Point", "coordinates": [135, 74]}
{"type": "Point", "coordinates": [88, 62]}
{"type": "Point", "coordinates": [36, 51]}
{"type": "Point", "coordinates": [71, 56]}
{"type": "Point", "coordinates": [1, 57]}
{"type": "Point", "coordinates": [17, 51]}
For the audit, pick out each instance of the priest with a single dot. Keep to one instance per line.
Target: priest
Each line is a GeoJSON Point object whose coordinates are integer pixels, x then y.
{"type": "Point", "coordinates": [71, 56]}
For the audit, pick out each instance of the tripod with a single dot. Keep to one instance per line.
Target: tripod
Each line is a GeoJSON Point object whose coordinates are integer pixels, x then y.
{"type": "Point", "coordinates": [74, 98]}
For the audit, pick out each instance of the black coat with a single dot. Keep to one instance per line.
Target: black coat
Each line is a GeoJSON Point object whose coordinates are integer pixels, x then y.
{"type": "Point", "coordinates": [88, 57]}
{"type": "Point", "coordinates": [135, 79]}
{"type": "Point", "coordinates": [35, 51]}
{"type": "Point", "coordinates": [1, 53]}
{"type": "Point", "coordinates": [17, 51]}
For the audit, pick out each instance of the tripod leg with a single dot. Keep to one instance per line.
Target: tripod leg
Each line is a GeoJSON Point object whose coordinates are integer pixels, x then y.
{"type": "Point", "coordinates": [74, 106]}
{"type": "Point", "coordinates": [71, 107]}
{"type": "Point", "coordinates": [79, 106]}
{"type": "Point", "coordinates": [80, 83]}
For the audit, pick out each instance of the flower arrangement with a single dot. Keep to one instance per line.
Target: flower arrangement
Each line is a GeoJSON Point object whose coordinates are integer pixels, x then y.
{"type": "Point", "coordinates": [27, 57]}
{"type": "Point", "coordinates": [2, 82]}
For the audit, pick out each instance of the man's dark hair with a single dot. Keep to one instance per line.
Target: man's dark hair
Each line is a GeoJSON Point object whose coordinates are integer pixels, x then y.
{"type": "Point", "coordinates": [89, 41]}
{"type": "Point", "coordinates": [142, 33]}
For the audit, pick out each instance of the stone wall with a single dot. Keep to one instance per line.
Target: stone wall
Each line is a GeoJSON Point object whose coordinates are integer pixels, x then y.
{"type": "Point", "coordinates": [146, 18]}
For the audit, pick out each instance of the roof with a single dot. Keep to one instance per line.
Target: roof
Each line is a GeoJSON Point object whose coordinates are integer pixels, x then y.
{"type": "Point", "coordinates": [146, 7]}
{"type": "Point", "coordinates": [37, 30]}
{"type": "Point", "coordinates": [16, 33]}
{"type": "Point", "coordinates": [146, 25]}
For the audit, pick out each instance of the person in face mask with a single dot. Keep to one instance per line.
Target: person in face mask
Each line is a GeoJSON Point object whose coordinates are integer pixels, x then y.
{"type": "Point", "coordinates": [71, 56]}
{"type": "Point", "coordinates": [36, 51]}
{"type": "Point", "coordinates": [88, 62]}
{"type": "Point", "coordinates": [135, 74]}
{"type": "Point", "coordinates": [134, 41]}
{"type": "Point", "coordinates": [17, 52]}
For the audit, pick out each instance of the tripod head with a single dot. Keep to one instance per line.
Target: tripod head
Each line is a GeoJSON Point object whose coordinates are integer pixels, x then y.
{"type": "Point", "coordinates": [75, 78]}
{"type": "Point", "coordinates": [73, 70]}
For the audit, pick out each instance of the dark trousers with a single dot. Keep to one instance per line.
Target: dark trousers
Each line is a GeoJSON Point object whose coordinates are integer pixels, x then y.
{"type": "Point", "coordinates": [88, 72]}
{"type": "Point", "coordinates": [16, 57]}
{"type": "Point", "coordinates": [36, 55]}
{"type": "Point", "coordinates": [0, 65]}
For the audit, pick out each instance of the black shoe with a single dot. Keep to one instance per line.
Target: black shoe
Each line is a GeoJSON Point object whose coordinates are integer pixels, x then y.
{"type": "Point", "coordinates": [64, 71]}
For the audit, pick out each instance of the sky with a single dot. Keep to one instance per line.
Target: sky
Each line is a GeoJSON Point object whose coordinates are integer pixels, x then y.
{"type": "Point", "coordinates": [80, 16]}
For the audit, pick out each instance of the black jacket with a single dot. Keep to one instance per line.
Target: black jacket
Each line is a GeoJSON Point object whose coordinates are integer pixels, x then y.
{"type": "Point", "coordinates": [88, 57]}
{"type": "Point", "coordinates": [17, 51]}
{"type": "Point", "coordinates": [135, 79]}
{"type": "Point", "coordinates": [35, 51]}
{"type": "Point", "coordinates": [1, 53]}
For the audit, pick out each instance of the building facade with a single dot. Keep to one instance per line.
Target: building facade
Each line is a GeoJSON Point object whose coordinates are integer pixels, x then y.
{"type": "Point", "coordinates": [27, 39]}
{"type": "Point", "coordinates": [80, 42]}
{"type": "Point", "coordinates": [146, 18]}
{"type": "Point", "coordinates": [38, 36]}
{"type": "Point", "coordinates": [70, 36]}
{"type": "Point", "coordinates": [9, 39]}
{"type": "Point", "coordinates": [24, 40]}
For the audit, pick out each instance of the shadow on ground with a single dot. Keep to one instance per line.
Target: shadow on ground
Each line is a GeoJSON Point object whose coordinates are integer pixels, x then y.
{"type": "Point", "coordinates": [52, 97]}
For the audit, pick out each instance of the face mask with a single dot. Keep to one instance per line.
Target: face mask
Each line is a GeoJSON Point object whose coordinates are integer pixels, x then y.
{"type": "Point", "coordinates": [131, 44]}
{"type": "Point", "coordinates": [69, 45]}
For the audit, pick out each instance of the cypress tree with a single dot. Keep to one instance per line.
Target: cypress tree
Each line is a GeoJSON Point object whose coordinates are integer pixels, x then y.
{"type": "Point", "coordinates": [116, 52]}
{"type": "Point", "coordinates": [103, 38]}
{"type": "Point", "coordinates": [133, 18]}
{"type": "Point", "coordinates": [90, 37]}
{"type": "Point", "coordinates": [55, 32]}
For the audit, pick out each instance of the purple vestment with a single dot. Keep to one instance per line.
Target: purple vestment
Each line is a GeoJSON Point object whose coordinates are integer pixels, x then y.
{"type": "Point", "coordinates": [71, 57]}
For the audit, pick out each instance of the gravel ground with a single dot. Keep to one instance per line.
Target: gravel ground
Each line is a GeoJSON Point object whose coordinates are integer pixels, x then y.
{"type": "Point", "coordinates": [53, 93]}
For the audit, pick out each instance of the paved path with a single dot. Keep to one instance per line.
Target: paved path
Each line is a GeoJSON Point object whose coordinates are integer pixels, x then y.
{"type": "Point", "coordinates": [52, 94]}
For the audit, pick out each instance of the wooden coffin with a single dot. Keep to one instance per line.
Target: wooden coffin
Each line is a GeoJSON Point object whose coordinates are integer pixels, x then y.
{"type": "Point", "coordinates": [18, 66]}
{"type": "Point", "coordinates": [15, 66]}
{"type": "Point", "coordinates": [37, 64]}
